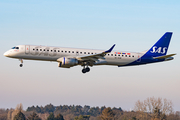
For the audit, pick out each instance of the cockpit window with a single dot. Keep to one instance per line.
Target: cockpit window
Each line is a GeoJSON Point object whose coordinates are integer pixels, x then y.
{"type": "Point", "coordinates": [15, 48]}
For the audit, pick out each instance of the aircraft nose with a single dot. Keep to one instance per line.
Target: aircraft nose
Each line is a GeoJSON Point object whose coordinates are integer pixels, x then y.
{"type": "Point", "coordinates": [6, 54]}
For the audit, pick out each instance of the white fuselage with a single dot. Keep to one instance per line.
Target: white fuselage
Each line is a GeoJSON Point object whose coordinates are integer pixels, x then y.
{"type": "Point", "coordinates": [46, 53]}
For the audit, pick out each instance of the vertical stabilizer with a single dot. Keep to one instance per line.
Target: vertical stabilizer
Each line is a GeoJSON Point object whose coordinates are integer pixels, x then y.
{"type": "Point", "coordinates": [161, 46]}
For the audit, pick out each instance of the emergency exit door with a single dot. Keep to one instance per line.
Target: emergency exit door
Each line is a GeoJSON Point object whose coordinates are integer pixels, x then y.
{"type": "Point", "coordinates": [27, 49]}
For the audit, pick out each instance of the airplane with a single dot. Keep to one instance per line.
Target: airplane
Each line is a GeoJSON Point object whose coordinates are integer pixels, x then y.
{"type": "Point", "coordinates": [69, 57]}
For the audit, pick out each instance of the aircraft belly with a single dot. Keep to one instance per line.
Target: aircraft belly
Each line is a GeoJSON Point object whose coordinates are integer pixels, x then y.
{"type": "Point", "coordinates": [119, 61]}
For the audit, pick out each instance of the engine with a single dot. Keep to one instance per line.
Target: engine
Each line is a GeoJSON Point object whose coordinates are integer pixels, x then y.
{"type": "Point", "coordinates": [67, 62]}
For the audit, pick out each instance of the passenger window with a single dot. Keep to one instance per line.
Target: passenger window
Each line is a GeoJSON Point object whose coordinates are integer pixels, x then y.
{"type": "Point", "coordinates": [133, 56]}
{"type": "Point", "coordinates": [80, 52]}
{"type": "Point", "coordinates": [65, 51]}
{"type": "Point", "coordinates": [54, 50]}
{"type": "Point", "coordinates": [48, 50]}
{"type": "Point", "coordinates": [72, 51]}
{"type": "Point", "coordinates": [58, 50]}
{"type": "Point", "coordinates": [111, 54]}
{"type": "Point", "coordinates": [88, 53]}
{"type": "Point", "coordinates": [129, 56]}
{"type": "Point", "coordinates": [115, 54]}
{"type": "Point", "coordinates": [37, 49]}
{"type": "Point", "coordinates": [40, 49]}
{"type": "Point", "coordinates": [126, 55]}
{"type": "Point", "coordinates": [91, 53]}
{"type": "Point", "coordinates": [118, 55]}
{"type": "Point", "coordinates": [77, 52]}
{"type": "Point", "coordinates": [33, 49]}
{"type": "Point", "coordinates": [62, 51]}
{"type": "Point", "coordinates": [51, 50]}
{"type": "Point", "coordinates": [84, 52]}
{"type": "Point", "coordinates": [108, 54]}
{"type": "Point", "coordinates": [44, 50]}
{"type": "Point", "coordinates": [122, 55]}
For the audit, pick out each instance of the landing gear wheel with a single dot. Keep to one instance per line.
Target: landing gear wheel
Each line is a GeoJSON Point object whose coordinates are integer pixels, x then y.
{"type": "Point", "coordinates": [87, 69]}
{"type": "Point", "coordinates": [21, 65]}
{"type": "Point", "coordinates": [83, 70]}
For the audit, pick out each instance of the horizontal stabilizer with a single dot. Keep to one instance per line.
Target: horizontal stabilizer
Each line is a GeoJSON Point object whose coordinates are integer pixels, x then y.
{"type": "Point", "coordinates": [164, 56]}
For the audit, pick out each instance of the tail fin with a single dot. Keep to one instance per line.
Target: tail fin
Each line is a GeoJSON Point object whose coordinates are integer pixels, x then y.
{"type": "Point", "coordinates": [161, 46]}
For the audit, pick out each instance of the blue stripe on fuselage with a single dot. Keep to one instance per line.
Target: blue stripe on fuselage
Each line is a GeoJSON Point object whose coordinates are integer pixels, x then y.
{"type": "Point", "coordinates": [143, 60]}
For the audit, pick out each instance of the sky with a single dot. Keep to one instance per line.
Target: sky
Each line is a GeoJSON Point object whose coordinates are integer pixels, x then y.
{"type": "Point", "coordinates": [95, 24]}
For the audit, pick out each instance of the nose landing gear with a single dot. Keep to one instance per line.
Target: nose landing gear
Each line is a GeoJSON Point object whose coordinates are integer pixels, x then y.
{"type": "Point", "coordinates": [21, 63]}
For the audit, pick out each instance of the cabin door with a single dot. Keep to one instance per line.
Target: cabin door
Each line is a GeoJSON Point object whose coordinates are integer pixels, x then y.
{"type": "Point", "coordinates": [139, 58]}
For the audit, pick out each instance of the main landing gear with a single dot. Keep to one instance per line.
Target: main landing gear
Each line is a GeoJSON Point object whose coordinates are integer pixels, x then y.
{"type": "Point", "coordinates": [21, 63]}
{"type": "Point", "coordinates": [84, 70]}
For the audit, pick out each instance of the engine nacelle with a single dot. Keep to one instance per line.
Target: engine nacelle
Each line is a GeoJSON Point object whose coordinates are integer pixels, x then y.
{"type": "Point", "coordinates": [67, 62]}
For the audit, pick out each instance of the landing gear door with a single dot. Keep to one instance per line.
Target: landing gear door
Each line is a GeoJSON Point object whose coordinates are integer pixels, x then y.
{"type": "Point", "coordinates": [27, 49]}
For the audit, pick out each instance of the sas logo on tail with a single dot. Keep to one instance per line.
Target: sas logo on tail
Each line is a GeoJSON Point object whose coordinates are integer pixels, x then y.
{"type": "Point", "coordinates": [159, 50]}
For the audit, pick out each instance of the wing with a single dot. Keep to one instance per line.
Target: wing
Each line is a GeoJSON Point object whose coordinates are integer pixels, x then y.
{"type": "Point", "coordinates": [94, 57]}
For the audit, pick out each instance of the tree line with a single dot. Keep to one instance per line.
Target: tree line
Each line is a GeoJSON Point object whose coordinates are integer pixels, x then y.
{"type": "Point", "coordinates": [150, 109]}
{"type": "Point", "coordinates": [71, 109]}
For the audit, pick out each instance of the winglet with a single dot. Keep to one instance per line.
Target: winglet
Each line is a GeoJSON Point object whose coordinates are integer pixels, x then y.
{"type": "Point", "coordinates": [110, 49]}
